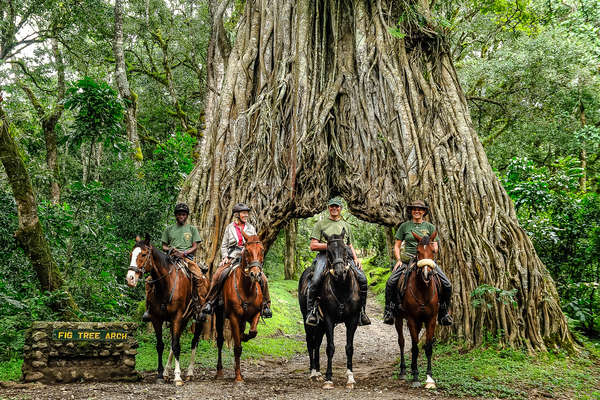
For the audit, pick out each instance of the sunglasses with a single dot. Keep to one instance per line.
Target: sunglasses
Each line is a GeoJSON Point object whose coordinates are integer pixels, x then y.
{"type": "Point", "coordinates": [334, 206]}
{"type": "Point", "coordinates": [419, 209]}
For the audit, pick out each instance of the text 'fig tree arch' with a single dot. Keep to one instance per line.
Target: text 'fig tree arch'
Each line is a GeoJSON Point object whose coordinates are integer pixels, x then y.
{"type": "Point", "coordinates": [316, 98]}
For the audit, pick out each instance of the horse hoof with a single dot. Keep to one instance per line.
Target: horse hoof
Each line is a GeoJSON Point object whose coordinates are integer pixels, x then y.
{"type": "Point", "coordinates": [159, 381]}
{"type": "Point", "coordinates": [179, 383]}
{"type": "Point", "coordinates": [328, 385]}
{"type": "Point", "coordinates": [239, 383]}
{"type": "Point", "coordinates": [415, 384]}
{"type": "Point", "coordinates": [349, 385]}
{"type": "Point", "coordinates": [189, 378]}
{"type": "Point", "coordinates": [219, 375]}
{"type": "Point", "coordinates": [402, 377]}
{"type": "Point", "coordinates": [430, 385]}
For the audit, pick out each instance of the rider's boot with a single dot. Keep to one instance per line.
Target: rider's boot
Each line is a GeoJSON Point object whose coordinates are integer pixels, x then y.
{"type": "Point", "coordinates": [388, 315]}
{"type": "Point", "coordinates": [364, 319]}
{"type": "Point", "coordinates": [312, 318]}
{"type": "Point", "coordinates": [264, 287]}
{"type": "Point", "coordinates": [444, 317]}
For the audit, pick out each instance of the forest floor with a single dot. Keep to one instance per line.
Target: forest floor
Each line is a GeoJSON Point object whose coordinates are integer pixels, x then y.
{"type": "Point", "coordinates": [375, 357]}
{"type": "Point", "coordinates": [375, 354]}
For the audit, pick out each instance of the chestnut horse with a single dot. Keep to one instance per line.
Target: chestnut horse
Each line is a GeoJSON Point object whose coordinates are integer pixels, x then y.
{"type": "Point", "coordinates": [171, 301]}
{"type": "Point", "coordinates": [419, 307]}
{"type": "Point", "coordinates": [242, 301]}
{"type": "Point", "coordinates": [340, 302]}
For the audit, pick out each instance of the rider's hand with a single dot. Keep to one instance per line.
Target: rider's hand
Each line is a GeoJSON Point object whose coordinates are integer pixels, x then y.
{"type": "Point", "coordinates": [357, 263]}
{"type": "Point", "coordinates": [397, 264]}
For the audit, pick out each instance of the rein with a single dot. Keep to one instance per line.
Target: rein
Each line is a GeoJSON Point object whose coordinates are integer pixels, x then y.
{"type": "Point", "coordinates": [142, 270]}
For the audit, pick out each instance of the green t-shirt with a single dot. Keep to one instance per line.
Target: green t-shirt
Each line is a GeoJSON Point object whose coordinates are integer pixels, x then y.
{"type": "Point", "coordinates": [181, 237]}
{"type": "Point", "coordinates": [331, 227]}
{"type": "Point", "coordinates": [410, 243]}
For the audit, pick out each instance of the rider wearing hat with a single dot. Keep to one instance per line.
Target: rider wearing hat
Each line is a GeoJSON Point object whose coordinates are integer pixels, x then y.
{"type": "Point", "coordinates": [416, 211]}
{"type": "Point", "coordinates": [330, 226]}
{"type": "Point", "coordinates": [180, 240]}
{"type": "Point", "coordinates": [231, 251]}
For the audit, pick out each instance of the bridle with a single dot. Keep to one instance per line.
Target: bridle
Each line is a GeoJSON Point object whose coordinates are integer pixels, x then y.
{"type": "Point", "coordinates": [338, 260]}
{"type": "Point", "coordinates": [142, 269]}
{"type": "Point", "coordinates": [246, 267]}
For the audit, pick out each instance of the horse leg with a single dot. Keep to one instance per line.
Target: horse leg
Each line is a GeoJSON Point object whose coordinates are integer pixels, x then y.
{"type": "Point", "coordinates": [220, 319]}
{"type": "Point", "coordinates": [176, 328]}
{"type": "Point", "coordinates": [237, 347]}
{"type": "Point", "coordinates": [318, 339]}
{"type": "Point", "coordinates": [430, 329]}
{"type": "Point", "coordinates": [197, 332]}
{"type": "Point", "coordinates": [350, 330]}
{"type": "Point", "coordinates": [167, 371]}
{"type": "Point", "coordinates": [414, 336]}
{"type": "Point", "coordinates": [160, 346]}
{"type": "Point", "coordinates": [253, 331]}
{"type": "Point", "coordinates": [330, 350]}
{"type": "Point", "coordinates": [399, 322]}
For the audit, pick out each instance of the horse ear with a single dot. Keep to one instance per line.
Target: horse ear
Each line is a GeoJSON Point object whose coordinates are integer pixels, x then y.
{"type": "Point", "coordinates": [326, 236]}
{"type": "Point", "coordinates": [416, 236]}
{"type": "Point", "coordinates": [147, 239]}
{"type": "Point", "coordinates": [433, 235]}
{"type": "Point", "coordinates": [138, 238]}
{"type": "Point", "coordinates": [343, 232]}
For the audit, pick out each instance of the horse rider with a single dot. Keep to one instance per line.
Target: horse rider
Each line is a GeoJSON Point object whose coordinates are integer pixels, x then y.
{"type": "Point", "coordinates": [417, 212]}
{"type": "Point", "coordinates": [180, 240]}
{"type": "Point", "coordinates": [231, 251]}
{"type": "Point", "coordinates": [333, 225]}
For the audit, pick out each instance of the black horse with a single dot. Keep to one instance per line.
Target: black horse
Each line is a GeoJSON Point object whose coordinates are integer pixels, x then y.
{"type": "Point", "coordinates": [339, 302]}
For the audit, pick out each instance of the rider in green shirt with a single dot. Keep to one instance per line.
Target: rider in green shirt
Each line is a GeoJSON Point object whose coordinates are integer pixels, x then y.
{"type": "Point", "coordinates": [334, 224]}
{"type": "Point", "coordinates": [417, 211]}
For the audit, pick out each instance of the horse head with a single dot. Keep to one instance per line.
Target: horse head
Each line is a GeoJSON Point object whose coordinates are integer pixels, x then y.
{"type": "Point", "coordinates": [337, 256]}
{"type": "Point", "coordinates": [252, 257]}
{"type": "Point", "coordinates": [140, 260]}
{"type": "Point", "coordinates": [425, 263]}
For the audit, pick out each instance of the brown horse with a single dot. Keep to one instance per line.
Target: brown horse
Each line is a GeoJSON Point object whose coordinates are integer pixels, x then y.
{"type": "Point", "coordinates": [171, 301]}
{"type": "Point", "coordinates": [420, 307]}
{"type": "Point", "coordinates": [242, 301]}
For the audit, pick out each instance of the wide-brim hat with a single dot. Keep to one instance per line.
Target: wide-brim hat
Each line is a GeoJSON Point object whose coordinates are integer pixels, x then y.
{"type": "Point", "coordinates": [336, 201]}
{"type": "Point", "coordinates": [418, 204]}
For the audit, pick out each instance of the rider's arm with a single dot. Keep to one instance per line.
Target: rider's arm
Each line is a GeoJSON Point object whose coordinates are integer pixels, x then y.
{"type": "Point", "coordinates": [191, 250]}
{"type": "Point", "coordinates": [316, 245]}
{"type": "Point", "coordinates": [165, 246]}
{"type": "Point", "coordinates": [225, 244]}
{"type": "Point", "coordinates": [397, 251]}
{"type": "Point", "coordinates": [356, 262]}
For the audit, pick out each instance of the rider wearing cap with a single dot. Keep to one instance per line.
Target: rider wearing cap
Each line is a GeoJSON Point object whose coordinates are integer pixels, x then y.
{"type": "Point", "coordinates": [330, 226]}
{"type": "Point", "coordinates": [181, 241]}
{"type": "Point", "coordinates": [416, 211]}
{"type": "Point", "coordinates": [231, 251]}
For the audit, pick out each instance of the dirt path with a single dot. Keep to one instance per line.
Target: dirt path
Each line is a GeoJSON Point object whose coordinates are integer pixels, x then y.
{"type": "Point", "coordinates": [375, 350]}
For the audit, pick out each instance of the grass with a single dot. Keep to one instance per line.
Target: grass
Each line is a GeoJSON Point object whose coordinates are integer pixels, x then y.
{"type": "Point", "coordinates": [10, 370]}
{"type": "Point", "coordinates": [276, 336]}
{"type": "Point", "coordinates": [492, 372]}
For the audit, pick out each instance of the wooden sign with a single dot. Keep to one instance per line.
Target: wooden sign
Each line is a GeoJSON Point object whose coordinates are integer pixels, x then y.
{"type": "Point", "coordinates": [88, 334]}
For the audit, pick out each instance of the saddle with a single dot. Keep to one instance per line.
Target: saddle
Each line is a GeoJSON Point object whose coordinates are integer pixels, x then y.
{"type": "Point", "coordinates": [412, 265]}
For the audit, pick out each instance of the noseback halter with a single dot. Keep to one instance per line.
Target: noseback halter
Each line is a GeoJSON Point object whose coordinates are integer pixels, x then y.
{"type": "Point", "coordinates": [338, 260]}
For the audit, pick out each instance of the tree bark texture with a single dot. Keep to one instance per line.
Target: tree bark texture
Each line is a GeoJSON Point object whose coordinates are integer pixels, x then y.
{"type": "Point", "coordinates": [30, 235]}
{"type": "Point", "coordinates": [317, 100]}
{"type": "Point", "coordinates": [291, 233]}
{"type": "Point", "coordinates": [123, 84]}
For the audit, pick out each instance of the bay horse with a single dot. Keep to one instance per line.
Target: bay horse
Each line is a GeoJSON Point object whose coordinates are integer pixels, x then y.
{"type": "Point", "coordinates": [171, 301]}
{"type": "Point", "coordinates": [419, 307]}
{"type": "Point", "coordinates": [242, 301]}
{"type": "Point", "coordinates": [339, 302]}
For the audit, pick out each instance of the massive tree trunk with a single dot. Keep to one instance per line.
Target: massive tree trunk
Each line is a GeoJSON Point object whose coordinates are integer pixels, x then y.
{"type": "Point", "coordinates": [318, 99]}
{"type": "Point", "coordinates": [30, 235]}
{"type": "Point", "coordinates": [123, 84]}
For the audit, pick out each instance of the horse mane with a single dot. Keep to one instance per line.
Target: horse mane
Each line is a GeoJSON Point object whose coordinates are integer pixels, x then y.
{"type": "Point", "coordinates": [424, 240]}
{"type": "Point", "coordinates": [161, 257]}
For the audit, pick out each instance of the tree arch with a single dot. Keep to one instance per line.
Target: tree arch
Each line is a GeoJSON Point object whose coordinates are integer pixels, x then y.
{"type": "Point", "coordinates": [319, 99]}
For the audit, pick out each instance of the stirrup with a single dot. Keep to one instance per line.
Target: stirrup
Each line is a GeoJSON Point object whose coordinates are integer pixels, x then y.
{"type": "Point", "coordinates": [266, 312]}
{"type": "Point", "coordinates": [446, 320]}
{"type": "Point", "coordinates": [388, 317]}
{"type": "Point", "coordinates": [146, 316]}
{"type": "Point", "coordinates": [207, 309]}
{"type": "Point", "coordinates": [363, 319]}
{"type": "Point", "coordinates": [312, 318]}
